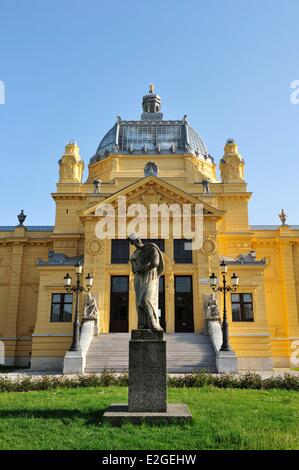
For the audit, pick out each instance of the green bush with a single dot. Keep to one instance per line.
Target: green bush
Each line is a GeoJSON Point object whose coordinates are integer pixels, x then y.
{"type": "Point", "coordinates": [108, 378]}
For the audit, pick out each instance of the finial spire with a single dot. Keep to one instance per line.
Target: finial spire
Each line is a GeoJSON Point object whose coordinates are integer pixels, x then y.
{"type": "Point", "coordinates": [151, 105]}
{"type": "Point", "coordinates": [21, 218]}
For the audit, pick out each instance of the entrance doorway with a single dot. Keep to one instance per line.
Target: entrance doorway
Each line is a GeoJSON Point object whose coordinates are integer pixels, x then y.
{"type": "Point", "coordinates": [184, 321]}
{"type": "Point", "coordinates": [119, 304]}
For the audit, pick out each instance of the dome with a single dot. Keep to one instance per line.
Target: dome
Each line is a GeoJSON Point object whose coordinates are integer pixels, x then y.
{"type": "Point", "coordinates": [151, 135]}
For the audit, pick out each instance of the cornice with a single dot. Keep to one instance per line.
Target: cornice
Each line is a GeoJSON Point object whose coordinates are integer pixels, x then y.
{"type": "Point", "coordinates": [68, 196]}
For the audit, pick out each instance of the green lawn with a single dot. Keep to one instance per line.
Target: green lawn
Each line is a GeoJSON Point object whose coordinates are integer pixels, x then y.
{"type": "Point", "coordinates": [223, 419]}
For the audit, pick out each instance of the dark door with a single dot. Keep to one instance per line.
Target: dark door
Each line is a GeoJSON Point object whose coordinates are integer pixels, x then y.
{"type": "Point", "coordinates": [162, 302]}
{"type": "Point", "coordinates": [183, 304]}
{"type": "Point", "coordinates": [119, 304]}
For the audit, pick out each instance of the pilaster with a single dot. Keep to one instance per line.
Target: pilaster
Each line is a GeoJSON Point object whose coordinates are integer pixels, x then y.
{"type": "Point", "coordinates": [290, 298]}
{"type": "Point", "coordinates": [10, 330]}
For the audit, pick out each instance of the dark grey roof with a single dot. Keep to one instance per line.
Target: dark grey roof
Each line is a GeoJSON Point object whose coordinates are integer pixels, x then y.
{"type": "Point", "coordinates": [246, 262]}
{"type": "Point", "coordinates": [59, 259]}
{"type": "Point", "coordinates": [151, 134]}
{"type": "Point", "coordinates": [272, 227]}
{"type": "Point", "coordinates": [151, 137]}
{"type": "Point", "coordinates": [29, 228]}
{"type": "Point", "coordinates": [244, 258]}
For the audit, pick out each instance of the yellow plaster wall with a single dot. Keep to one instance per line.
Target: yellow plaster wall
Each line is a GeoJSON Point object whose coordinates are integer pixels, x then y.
{"type": "Point", "coordinates": [275, 289]}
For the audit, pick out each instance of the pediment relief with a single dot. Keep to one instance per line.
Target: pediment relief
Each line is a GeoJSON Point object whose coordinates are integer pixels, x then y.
{"type": "Point", "coordinates": [151, 190]}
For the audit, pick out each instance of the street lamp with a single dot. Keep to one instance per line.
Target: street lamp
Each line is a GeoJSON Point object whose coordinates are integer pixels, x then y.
{"type": "Point", "coordinates": [225, 289]}
{"type": "Point", "coordinates": [77, 288]}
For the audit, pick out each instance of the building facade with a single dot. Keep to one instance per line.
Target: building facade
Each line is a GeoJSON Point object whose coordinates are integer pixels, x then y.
{"type": "Point", "coordinates": [149, 161]}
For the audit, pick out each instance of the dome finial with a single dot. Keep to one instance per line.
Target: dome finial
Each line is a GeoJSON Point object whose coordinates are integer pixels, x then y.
{"type": "Point", "coordinates": [151, 104]}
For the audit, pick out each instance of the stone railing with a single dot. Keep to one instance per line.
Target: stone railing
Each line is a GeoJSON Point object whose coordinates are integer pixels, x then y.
{"type": "Point", "coordinates": [226, 361]}
{"type": "Point", "coordinates": [75, 361]}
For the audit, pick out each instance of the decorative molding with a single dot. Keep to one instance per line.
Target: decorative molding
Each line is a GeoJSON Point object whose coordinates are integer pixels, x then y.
{"type": "Point", "coordinates": [292, 338]}
{"type": "Point", "coordinates": [46, 335]}
{"type": "Point", "coordinates": [208, 246]}
{"type": "Point", "coordinates": [13, 338]}
{"type": "Point", "coordinates": [265, 335]}
{"type": "Point", "coordinates": [64, 245]}
{"type": "Point", "coordinates": [94, 247]}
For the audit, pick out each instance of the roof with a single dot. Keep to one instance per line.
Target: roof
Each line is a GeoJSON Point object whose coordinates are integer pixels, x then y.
{"type": "Point", "coordinates": [50, 228]}
{"type": "Point", "coordinates": [151, 135]}
{"type": "Point", "coordinates": [59, 259]}
{"type": "Point", "coordinates": [245, 259]}
{"type": "Point", "coordinates": [29, 228]}
{"type": "Point", "coordinates": [272, 227]}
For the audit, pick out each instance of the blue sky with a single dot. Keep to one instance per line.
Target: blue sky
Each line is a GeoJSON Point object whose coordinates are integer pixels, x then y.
{"type": "Point", "coordinates": [70, 66]}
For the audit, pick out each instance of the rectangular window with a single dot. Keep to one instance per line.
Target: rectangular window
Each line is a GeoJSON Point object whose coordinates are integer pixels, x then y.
{"type": "Point", "coordinates": [160, 243]}
{"type": "Point", "coordinates": [183, 301]}
{"type": "Point", "coordinates": [180, 254]}
{"type": "Point", "coordinates": [242, 307]}
{"type": "Point", "coordinates": [61, 307]}
{"type": "Point", "coordinates": [119, 304]}
{"type": "Point", "coordinates": [120, 251]}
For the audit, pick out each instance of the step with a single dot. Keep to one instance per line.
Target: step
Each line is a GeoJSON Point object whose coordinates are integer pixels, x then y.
{"type": "Point", "coordinates": [186, 352]}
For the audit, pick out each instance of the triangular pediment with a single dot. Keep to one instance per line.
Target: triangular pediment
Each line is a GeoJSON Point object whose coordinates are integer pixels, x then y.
{"type": "Point", "coordinates": [153, 190]}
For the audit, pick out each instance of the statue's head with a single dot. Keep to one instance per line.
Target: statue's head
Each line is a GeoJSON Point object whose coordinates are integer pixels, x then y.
{"type": "Point", "coordinates": [134, 240]}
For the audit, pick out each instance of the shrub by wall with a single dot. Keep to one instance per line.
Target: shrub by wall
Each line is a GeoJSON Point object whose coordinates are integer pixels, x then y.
{"type": "Point", "coordinates": [110, 378]}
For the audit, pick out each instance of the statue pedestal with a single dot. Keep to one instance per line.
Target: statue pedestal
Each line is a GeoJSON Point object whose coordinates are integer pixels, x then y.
{"type": "Point", "coordinates": [147, 384]}
{"type": "Point", "coordinates": [147, 371]}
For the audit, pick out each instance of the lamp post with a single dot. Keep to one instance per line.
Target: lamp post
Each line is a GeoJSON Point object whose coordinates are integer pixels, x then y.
{"type": "Point", "coordinates": [77, 288]}
{"type": "Point", "coordinates": [225, 288]}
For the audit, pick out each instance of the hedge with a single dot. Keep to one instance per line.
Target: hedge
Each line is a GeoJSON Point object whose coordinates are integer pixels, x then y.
{"type": "Point", "coordinates": [107, 378]}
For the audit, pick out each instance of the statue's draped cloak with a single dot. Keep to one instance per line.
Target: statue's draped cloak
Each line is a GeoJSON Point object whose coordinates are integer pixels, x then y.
{"type": "Point", "coordinates": [147, 265]}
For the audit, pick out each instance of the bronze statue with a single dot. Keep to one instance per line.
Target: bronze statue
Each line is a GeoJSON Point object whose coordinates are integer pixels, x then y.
{"type": "Point", "coordinates": [96, 186]}
{"type": "Point", "coordinates": [147, 265]}
{"type": "Point", "coordinates": [283, 217]}
{"type": "Point", "coordinates": [206, 186]}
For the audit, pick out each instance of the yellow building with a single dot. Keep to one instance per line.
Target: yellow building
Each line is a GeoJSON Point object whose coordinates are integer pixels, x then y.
{"type": "Point", "coordinates": [149, 161]}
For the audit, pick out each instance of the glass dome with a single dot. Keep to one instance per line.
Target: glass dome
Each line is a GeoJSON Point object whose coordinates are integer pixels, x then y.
{"type": "Point", "coordinates": [151, 135]}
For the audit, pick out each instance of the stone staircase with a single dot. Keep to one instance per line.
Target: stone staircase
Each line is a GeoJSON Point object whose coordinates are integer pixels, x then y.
{"type": "Point", "coordinates": [186, 352]}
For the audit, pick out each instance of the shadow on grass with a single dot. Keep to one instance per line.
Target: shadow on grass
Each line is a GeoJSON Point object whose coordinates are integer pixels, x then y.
{"type": "Point", "coordinates": [91, 417]}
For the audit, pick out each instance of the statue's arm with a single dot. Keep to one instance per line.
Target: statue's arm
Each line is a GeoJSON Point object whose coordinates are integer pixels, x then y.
{"type": "Point", "coordinates": [151, 256]}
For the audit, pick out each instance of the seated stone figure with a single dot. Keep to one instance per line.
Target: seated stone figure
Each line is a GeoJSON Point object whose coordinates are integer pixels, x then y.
{"type": "Point", "coordinates": [211, 308]}
{"type": "Point", "coordinates": [90, 309]}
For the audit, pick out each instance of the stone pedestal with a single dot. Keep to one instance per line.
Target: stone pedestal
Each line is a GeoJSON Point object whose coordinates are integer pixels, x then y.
{"type": "Point", "coordinates": [73, 362]}
{"type": "Point", "coordinates": [118, 414]}
{"type": "Point", "coordinates": [226, 361]}
{"type": "Point", "coordinates": [147, 385]}
{"type": "Point", "coordinates": [147, 372]}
